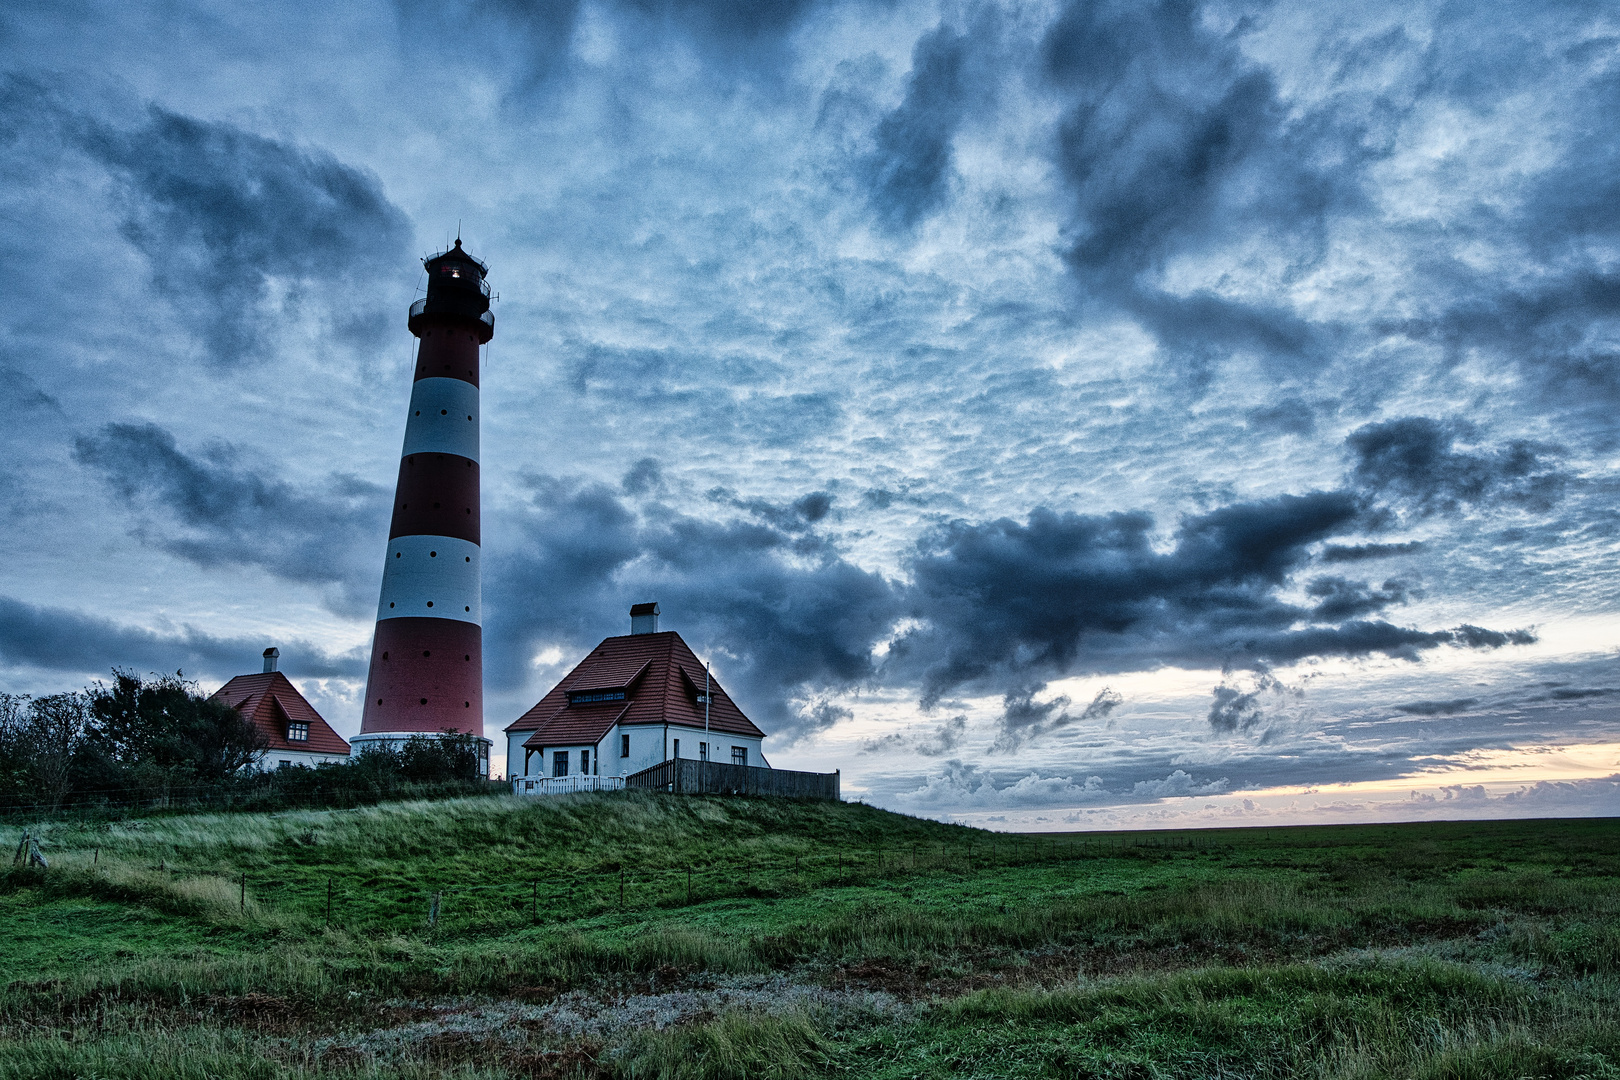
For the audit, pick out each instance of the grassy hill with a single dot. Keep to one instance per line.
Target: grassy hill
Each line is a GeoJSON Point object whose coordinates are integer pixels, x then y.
{"type": "Point", "coordinates": [650, 935]}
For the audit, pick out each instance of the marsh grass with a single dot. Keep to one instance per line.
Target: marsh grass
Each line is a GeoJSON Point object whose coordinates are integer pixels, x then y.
{"type": "Point", "coordinates": [1446, 949]}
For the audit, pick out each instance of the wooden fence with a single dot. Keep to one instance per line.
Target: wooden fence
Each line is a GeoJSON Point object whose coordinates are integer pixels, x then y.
{"type": "Point", "coordinates": [687, 777]}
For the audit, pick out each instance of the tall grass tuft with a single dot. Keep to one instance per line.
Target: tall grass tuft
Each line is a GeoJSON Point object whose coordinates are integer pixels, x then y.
{"type": "Point", "coordinates": [735, 1046]}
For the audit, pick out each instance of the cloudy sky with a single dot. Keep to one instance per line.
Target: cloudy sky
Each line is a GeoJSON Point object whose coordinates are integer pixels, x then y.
{"type": "Point", "coordinates": [1052, 414]}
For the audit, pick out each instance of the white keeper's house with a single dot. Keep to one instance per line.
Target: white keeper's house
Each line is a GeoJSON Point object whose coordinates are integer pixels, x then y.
{"type": "Point", "coordinates": [634, 702]}
{"type": "Point", "coordinates": [294, 733]}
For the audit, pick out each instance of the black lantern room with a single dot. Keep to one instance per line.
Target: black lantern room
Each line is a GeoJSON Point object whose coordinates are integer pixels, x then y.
{"type": "Point", "coordinates": [456, 291]}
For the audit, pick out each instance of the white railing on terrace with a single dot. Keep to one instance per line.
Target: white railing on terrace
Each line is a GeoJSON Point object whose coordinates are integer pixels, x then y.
{"type": "Point", "coordinates": [564, 785]}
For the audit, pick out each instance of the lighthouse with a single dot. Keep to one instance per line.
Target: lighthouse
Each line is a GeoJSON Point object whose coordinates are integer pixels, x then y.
{"type": "Point", "coordinates": [427, 666]}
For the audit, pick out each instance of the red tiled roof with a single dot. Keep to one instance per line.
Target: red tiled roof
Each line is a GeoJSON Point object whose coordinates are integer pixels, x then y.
{"type": "Point", "coordinates": [271, 702]}
{"type": "Point", "coordinates": [661, 678]}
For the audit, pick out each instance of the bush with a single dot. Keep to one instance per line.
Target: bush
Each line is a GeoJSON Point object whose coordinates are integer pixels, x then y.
{"type": "Point", "coordinates": [159, 743]}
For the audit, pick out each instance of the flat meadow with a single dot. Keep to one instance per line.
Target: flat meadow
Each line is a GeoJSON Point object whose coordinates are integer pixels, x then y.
{"type": "Point", "coordinates": [649, 935]}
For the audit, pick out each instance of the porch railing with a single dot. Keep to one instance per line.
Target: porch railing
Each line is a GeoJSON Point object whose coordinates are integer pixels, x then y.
{"type": "Point", "coordinates": [564, 785]}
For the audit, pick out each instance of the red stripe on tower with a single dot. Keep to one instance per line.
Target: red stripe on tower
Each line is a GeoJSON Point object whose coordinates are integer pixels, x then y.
{"type": "Point", "coordinates": [427, 665]}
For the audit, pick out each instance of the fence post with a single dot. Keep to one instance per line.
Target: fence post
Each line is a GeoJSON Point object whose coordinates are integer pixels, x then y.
{"type": "Point", "coordinates": [433, 911]}
{"type": "Point", "coordinates": [243, 901]}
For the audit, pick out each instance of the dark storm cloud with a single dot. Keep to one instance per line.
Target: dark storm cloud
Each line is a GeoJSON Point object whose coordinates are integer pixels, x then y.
{"type": "Point", "coordinates": [730, 21]}
{"type": "Point", "coordinates": [216, 509]}
{"type": "Point", "coordinates": [644, 476]}
{"type": "Point", "coordinates": [1583, 694]}
{"type": "Point", "coordinates": [1007, 597]}
{"type": "Point", "coordinates": [1003, 605]}
{"type": "Point", "coordinates": [1549, 305]}
{"type": "Point", "coordinates": [794, 619]}
{"type": "Point", "coordinates": [814, 506]}
{"type": "Point", "coordinates": [1173, 141]}
{"type": "Point", "coordinates": [1437, 708]}
{"type": "Point", "coordinates": [1416, 461]}
{"type": "Point", "coordinates": [936, 742]}
{"type": "Point", "coordinates": [909, 172]}
{"type": "Point", "coordinates": [528, 42]}
{"type": "Point", "coordinates": [1024, 719]}
{"type": "Point", "coordinates": [1338, 553]}
{"type": "Point", "coordinates": [795, 517]}
{"type": "Point", "coordinates": [55, 639]}
{"type": "Point", "coordinates": [1478, 637]}
{"type": "Point", "coordinates": [1338, 598]}
{"type": "Point", "coordinates": [20, 391]}
{"type": "Point", "coordinates": [221, 213]}
{"type": "Point", "coordinates": [1237, 710]}
{"type": "Point", "coordinates": [1291, 416]}
{"type": "Point", "coordinates": [226, 218]}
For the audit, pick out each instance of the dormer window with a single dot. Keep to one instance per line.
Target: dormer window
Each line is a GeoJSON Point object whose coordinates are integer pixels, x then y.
{"type": "Point", "coordinates": [588, 697]}
{"type": "Point", "coordinates": [297, 731]}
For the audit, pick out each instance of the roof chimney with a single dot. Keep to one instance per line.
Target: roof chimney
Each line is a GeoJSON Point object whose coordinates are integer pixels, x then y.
{"type": "Point", "coordinates": [271, 655]}
{"type": "Point", "coordinates": [644, 619]}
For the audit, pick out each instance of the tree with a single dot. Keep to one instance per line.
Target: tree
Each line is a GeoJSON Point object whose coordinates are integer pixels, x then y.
{"type": "Point", "coordinates": [57, 729]}
{"type": "Point", "coordinates": [164, 726]}
{"type": "Point", "coordinates": [14, 747]}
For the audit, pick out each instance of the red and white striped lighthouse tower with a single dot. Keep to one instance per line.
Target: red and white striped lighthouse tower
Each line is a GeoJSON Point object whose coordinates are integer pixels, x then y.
{"type": "Point", "coordinates": [427, 667]}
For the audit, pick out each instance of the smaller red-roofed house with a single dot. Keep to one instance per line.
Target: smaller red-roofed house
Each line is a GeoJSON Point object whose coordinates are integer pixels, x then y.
{"type": "Point", "coordinates": [633, 702]}
{"type": "Point", "coordinates": [296, 733]}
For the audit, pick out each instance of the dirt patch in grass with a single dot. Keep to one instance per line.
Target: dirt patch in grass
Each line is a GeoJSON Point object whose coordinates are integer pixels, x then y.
{"type": "Point", "coordinates": [265, 1013]}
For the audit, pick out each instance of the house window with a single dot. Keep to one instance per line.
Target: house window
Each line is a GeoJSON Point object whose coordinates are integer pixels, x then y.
{"type": "Point", "coordinates": [585, 762]}
{"type": "Point", "coordinates": [739, 755]}
{"type": "Point", "coordinates": [586, 697]}
{"type": "Point", "coordinates": [624, 745]}
{"type": "Point", "coordinates": [559, 763]}
{"type": "Point", "coordinates": [283, 763]}
{"type": "Point", "coordinates": [297, 731]}
{"type": "Point", "coordinates": [677, 748]}
{"type": "Point", "coordinates": [703, 751]}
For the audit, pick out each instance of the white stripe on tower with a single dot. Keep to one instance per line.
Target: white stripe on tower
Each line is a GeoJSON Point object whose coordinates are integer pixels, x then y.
{"type": "Point", "coordinates": [431, 577]}
{"type": "Point", "coordinates": [443, 419]}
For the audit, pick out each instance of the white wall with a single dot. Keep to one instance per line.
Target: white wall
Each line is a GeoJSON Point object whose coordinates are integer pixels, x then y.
{"type": "Point", "coordinates": [720, 745]}
{"type": "Point", "coordinates": [540, 763]}
{"type": "Point", "coordinates": [272, 759]}
{"type": "Point", "coordinates": [514, 755]}
{"type": "Point", "coordinates": [647, 748]}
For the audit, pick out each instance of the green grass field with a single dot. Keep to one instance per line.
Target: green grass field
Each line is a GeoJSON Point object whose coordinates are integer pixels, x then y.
{"type": "Point", "coordinates": [642, 935]}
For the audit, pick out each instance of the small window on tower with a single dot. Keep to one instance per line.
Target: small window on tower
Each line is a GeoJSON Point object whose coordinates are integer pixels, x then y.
{"type": "Point", "coordinates": [297, 731]}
